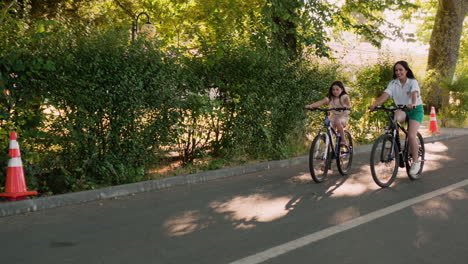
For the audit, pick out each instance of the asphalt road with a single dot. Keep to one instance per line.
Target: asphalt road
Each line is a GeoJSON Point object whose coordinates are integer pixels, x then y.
{"type": "Point", "coordinates": [275, 216]}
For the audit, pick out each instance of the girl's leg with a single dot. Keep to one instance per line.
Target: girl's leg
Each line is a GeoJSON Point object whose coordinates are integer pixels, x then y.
{"type": "Point", "coordinates": [338, 124]}
{"type": "Point", "coordinates": [412, 138]}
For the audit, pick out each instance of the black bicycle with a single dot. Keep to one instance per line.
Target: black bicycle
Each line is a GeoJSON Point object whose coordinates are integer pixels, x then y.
{"type": "Point", "coordinates": [388, 154]}
{"type": "Point", "coordinates": [327, 146]}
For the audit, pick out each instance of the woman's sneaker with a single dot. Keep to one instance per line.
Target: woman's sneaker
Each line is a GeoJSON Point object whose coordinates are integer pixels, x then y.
{"type": "Point", "coordinates": [414, 168]}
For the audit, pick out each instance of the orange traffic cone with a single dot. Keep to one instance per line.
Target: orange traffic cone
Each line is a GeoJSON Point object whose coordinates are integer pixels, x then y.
{"type": "Point", "coordinates": [15, 187]}
{"type": "Point", "coordinates": [433, 122]}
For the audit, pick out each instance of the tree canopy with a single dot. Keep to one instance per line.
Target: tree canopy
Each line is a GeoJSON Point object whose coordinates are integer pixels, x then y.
{"type": "Point", "coordinates": [297, 26]}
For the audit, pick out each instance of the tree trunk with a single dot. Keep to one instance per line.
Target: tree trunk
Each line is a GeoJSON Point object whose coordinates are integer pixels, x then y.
{"type": "Point", "coordinates": [286, 36]}
{"type": "Point", "coordinates": [444, 49]}
{"type": "Point", "coordinates": [283, 15]}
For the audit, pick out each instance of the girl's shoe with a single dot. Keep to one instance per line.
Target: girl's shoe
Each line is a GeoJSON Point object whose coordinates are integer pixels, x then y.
{"type": "Point", "coordinates": [344, 146]}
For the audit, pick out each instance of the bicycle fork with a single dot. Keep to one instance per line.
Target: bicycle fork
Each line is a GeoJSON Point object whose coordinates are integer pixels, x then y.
{"type": "Point", "coordinates": [396, 140]}
{"type": "Point", "coordinates": [324, 155]}
{"type": "Point", "coordinates": [317, 154]}
{"type": "Point", "coordinates": [387, 154]}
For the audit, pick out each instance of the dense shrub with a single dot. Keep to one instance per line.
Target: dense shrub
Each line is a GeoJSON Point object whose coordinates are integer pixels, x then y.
{"type": "Point", "coordinates": [109, 108]}
{"type": "Point", "coordinates": [260, 97]}
{"type": "Point", "coordinates": [454, 113]}
{"type": "Point", "coordinates": [97, 110]}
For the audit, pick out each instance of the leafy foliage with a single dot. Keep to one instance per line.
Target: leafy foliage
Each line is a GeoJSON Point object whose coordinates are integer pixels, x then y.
{"type": "Point", "coordinates": [370, 83]}
{"type": "Point", "coordinates": [295, 27]}
{"type": "Point", "coordinates": [223, 80]}
{"type": "Point", "coordinates": [105, 109]}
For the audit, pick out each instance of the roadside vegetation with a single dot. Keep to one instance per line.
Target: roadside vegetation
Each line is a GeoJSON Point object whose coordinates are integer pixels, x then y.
{"type": "Point", "coordinates": [93, 108]}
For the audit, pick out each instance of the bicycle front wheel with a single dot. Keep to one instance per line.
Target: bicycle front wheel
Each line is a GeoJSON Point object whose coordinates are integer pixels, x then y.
{"type": "Point", "coordinates": [319, 158]}
{"type": "Point", "coordinates": [345, 156]}
{"type": "Point", "coordinates": [409, 158]}
{"type": "Point", "coordinates": [384, 161]}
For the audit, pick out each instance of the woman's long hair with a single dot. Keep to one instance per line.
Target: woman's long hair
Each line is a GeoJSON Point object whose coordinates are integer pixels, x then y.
{"type": "Point", "coordinates": [409, 73]}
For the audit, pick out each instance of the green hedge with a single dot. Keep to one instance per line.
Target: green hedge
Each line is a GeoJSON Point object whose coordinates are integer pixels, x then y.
{"type": "Point", "coordinates": [97, 110]}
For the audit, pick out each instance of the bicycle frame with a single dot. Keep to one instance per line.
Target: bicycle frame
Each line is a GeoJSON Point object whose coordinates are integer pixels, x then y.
{"type": "Point", "coordinates": [330, 131]}
{"type": "Point", "coordinates": [393, 129]}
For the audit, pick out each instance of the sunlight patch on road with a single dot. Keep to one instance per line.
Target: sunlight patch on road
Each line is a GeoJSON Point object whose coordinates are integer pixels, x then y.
{"type": "Point", "coordinates": [431, 157]}
{"type": "Point", "coordinates": [353, 188]}
{"type": "Point", "coordinates": [422, 237]}
{"type": "Point", "coordinates": [186, 223]}
{"type": "Point", "coordinates": [435, 208]}
{"type": "Point", "coordinates": [358, 183]}
{"type": "Point", "coordinates": [459, 194]}
{"type": "Point", "coordinates": [300, 179]}
{"type": "Point", "coordinates": [436, 147]}
{"type": "Point", "coordinates": [435, 154]}
{"type": "Point", "coordinates": [245, 211]}
{"type": "Point", "coordinates": [439, 208]}
{"type": "Point", "coordinates": [344, 215]}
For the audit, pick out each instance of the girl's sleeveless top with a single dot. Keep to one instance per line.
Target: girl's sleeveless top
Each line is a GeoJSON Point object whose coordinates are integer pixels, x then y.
{"type": "Point", "coordinates": [337, 103]}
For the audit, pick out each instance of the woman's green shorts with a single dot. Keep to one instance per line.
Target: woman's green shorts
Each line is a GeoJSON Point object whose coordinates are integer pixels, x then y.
{"type": "Point", "coordinates": [416, 114]}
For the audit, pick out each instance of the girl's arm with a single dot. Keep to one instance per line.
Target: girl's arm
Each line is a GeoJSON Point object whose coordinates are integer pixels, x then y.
{"type": "Point", "coordinates": [384, 97]}
{"type": "Point", "coordinates": [318, 103]}
{"type": "Point", "coordinates": [346, 101]}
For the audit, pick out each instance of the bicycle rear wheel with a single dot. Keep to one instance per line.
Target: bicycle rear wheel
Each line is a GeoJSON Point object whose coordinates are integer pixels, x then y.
{"type": "Point", "coordinates": [319, 158]}
{"type": "Point", "coordinates": [345, 156]}
{"type": "Point", "coordinates": [384, 161]}
{"type": "Point", "coordinates": [409, 159]}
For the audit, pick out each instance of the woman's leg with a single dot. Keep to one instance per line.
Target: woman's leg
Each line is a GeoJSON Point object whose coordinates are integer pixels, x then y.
{"type": "Point", "coordinates": [412, 138]}
{"type": "Point", "coordinates": [400, 116]}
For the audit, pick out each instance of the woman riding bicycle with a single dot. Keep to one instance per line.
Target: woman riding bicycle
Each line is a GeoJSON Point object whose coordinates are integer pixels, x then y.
{"type": "Point", "coordinates": [404, 89]}
{"type": "Point", "coordinates": [337, 97]}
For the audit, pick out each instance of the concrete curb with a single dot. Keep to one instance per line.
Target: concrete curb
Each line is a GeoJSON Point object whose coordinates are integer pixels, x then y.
{"type": "Point", "coordinates": [19, 207]}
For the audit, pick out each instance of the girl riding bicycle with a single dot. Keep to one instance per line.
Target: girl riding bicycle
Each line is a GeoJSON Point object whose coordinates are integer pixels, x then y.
{"type": "Point", "coordinates": [404, 89]}
{"type": "Point", "coordinates": [337, 97]}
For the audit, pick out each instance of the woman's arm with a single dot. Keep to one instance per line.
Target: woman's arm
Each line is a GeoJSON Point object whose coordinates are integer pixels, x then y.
{"type": "Point", "coordinates": [414, 98]}
{"type": "Point", "coordinates": [384, 97]}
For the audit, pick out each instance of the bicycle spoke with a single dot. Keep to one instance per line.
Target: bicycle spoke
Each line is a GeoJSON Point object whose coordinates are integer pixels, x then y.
{"type": "Point", "coordinates": [319, 158]}
{"type": "Point", "coordinates": [345, 155]}
{"type": "Point", "coordinates": [384, 161]}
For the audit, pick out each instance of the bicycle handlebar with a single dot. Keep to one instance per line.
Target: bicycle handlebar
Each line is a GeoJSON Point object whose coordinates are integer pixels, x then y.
{"type": "Point", "coordinates": [391, 108]}
{"type": "Point", "coordinates": [328, 109]}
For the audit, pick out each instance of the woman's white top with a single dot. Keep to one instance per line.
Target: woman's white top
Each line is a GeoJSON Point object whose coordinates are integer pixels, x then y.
{"type": "Point", "coordinates": [402, 94]}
